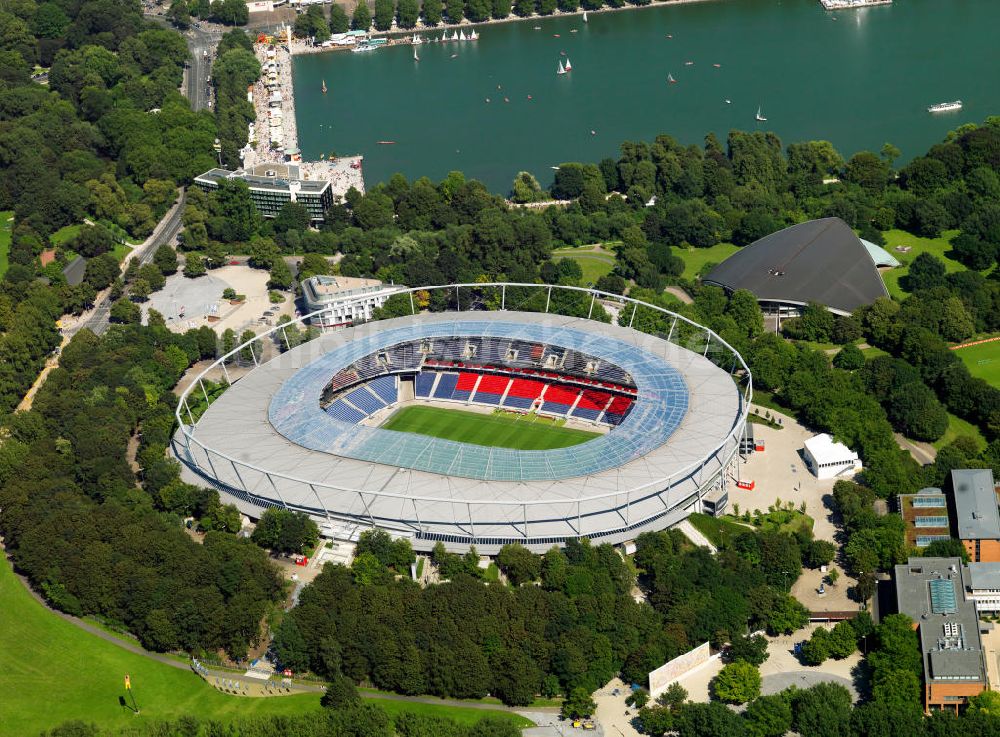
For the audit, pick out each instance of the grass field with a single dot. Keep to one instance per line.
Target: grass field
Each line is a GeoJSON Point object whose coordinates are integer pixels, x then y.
{"type": "Point", "coordinates": [719, 531]}
{"type": "Point", "coordinates": [983, 361]}
{"type": "Point", "coordinates": [593, 263]}
{"type": "Point", "coordinates": [696, 258]}
{"type": "Point", "coordinates": [65, 234]}
{"type": "Point", "coordinates": [6, 224]}
{"type": "Point", "coordinates": [957, 426]}
{"type": "Point", "coordinates": [527, 432]}
{"type": "Point", "coordinates": [936, 246]}
{"type": "Point", "coordinates": [51, 671]}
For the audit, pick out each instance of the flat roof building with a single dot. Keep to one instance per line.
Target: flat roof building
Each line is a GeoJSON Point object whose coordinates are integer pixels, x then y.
{"type": "Point", "coordinates": [984, 586]}
{"type": "Point", "coordinates": [272, 185]}
{"type": "Point", "coordinates": [931, 591]}
{"type": "Point", "coordinates": [350, 299]}
{"type": "Point", "coordinates": [817, 261]}
{"type": "Point", "coordinates": [827, 458]}
{"type": "Point", "coordinates": [977, 518]}
{"type": "Point", "coordinates": [926, 516]}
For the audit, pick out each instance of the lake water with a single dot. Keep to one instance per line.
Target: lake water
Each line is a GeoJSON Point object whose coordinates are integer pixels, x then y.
{"type": "Point", "coordinates": [857, 78]}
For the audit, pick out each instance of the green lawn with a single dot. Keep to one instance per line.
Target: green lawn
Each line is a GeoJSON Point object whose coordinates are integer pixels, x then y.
{"type": "Point", "coordinates": [696, 258]}
{"type": "Point", "coordinates": [65, 234]}
{"type": "Point", "coordinates": [719, 531]}
{"type": "Point", "coordinates": [594, 264]}
{"type": "Point", "coordinates": [936, 246]}
{"type": "Point", "coordinates": [523, 432]}
{"type": "Point", "coordinates": [52, 671]}
{"type": "Point", "coordinates": [6, 224]}
{"type": "Point", "coordinates": [983, 361]}
{"type": "Point", "coordinates": [957, 426]}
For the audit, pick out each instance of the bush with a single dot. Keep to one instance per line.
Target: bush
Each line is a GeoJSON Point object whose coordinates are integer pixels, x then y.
{"type": "Point", "coordinates": [276, 298]}
{"type": "Point", "coordinates": [737, 683]}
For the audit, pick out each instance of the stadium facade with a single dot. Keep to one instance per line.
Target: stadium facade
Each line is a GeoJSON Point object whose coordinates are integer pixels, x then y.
{"type": "Point", "coordinates": [301, 428]}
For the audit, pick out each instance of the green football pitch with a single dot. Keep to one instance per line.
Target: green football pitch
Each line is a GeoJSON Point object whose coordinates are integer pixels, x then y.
{"type": "Point", "coordinates": [520, 432]}
{"type": "Point", "coordinates": [983, 361]}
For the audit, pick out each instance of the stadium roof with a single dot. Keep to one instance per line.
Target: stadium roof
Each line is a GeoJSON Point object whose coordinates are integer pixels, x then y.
{"type": "Point", "coordinates": [817, 261]}
{"type": "Point", "coordinates": [295, 410]}
{"type": "Point", "coordinates": [879, 255]}
{"type": "Point", "coordinates": [677, 437]}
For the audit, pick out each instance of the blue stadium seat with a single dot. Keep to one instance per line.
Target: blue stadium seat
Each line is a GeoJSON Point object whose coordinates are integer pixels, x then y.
{"type": "Point", "coordinates": [585, 413]}
{"type": "Point", "coordinates": [518, 402]}
{"type": "Point", "coordinates": [446, 386]}
{"type": "Point", "coordinates": [424, 383]}
{"type": "Point", "coordinates": [340, 411]}
{"type": "Point", "coordinates": [385, 387]}
{"type": "Point", "coordinates": [365, 400]}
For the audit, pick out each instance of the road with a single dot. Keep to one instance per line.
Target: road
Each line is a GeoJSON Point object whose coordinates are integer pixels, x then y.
{"type": "Point", "coordinates": [166, 231]}
{"type": "Point", "coordinates": [196, 90]}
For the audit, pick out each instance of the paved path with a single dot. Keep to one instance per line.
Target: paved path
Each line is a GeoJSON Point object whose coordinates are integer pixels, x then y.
{"type": "Point", "coordinates": [680, 294]}
{"type": "Point", "coordinates": [923, 453]}
{"type": "Point", "coordinates": [693, 535]}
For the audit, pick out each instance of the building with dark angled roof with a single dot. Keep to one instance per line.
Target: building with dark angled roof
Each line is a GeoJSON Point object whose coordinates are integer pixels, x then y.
{"type": "Point", "coordinates": [817, 261]}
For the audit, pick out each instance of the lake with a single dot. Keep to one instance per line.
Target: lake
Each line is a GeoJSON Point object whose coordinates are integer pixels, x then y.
{"type": "Point", "coordinates": [858, 78]}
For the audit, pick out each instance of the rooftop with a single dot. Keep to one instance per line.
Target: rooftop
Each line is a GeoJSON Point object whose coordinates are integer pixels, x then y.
{"type": "Point", "coordinates": [984, 576]}
{"type": "Point", "coordinates": [273, 177]}
{"type": "Point", "coordinates": [976, 504]}
{"type": "Point", "coordinates": [816, 261]}
{"type": "Point", "coordinates": [931, 591]}
{"type": "Point", "coordinates": [826, 450]}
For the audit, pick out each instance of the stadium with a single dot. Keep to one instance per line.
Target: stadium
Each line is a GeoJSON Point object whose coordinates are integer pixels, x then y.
{"type": "Point", "coordinates": [478, 426]}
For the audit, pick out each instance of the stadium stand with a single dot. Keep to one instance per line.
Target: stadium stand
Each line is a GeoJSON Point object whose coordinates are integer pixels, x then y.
{"type": "Point", "coordinates": [559, 399]}
{"type": "Point", "coordinates": [491, 389]}
{"type": "Point", "coordinates": [345, 413]}
{"type": "Point", "coordinates": [591, 404]}
{"type": "Point", "coordinates": [618, 410]}
{"type": "Point", "coordinates": [446, 386]}
{"type": "Point", "coordinates": [385, 388]}
{"type": "Point", "coordinates": [365, 400]}
{"type": "Point", "coordinates": [466, 383]}
{"type": "Point", "coordinates": [424, 384]}
{"type": "Point", "coordinates": [523, 393]}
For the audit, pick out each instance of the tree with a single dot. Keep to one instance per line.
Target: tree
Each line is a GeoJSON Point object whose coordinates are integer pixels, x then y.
{"type": "Point", "coordinates": [822, 711]}
{"type": "Point", "coordinates": [849, 358]}
{"type": "Point", "coordinates": [341, 693]}
{"type": "Point", "coordinates": [817, 648]}
{"type": "Point", "coordinates": [339, 22]}
{"type": "Point", "coordinates": [713, 718]}
{"type": "Point", "coordinates": [124, 311]}
{"type": "Point", "coordinates": [455, 10]}
{"type": "Point", "coordinates": [407, 13]}
{"type": "Point", "coordinates": [194, 266]}
{"type": "Point", "coordinates": [362, 18]}
{"type": "Point", "coordinates": [93, 240]}
{"type": "Point", "coordinates": [519, 564]}
{"type": "Point", "coordinates": [384, 12]}
{"type": "Point", "coordinates": [165, 259]}
{"type": "Point", "coordinates": [867, 170]}
{"type": "Point", "coordinates": [752, 650]}
{"type": "Point", "coordinates": [926, 271]}
{"type": "Point", "coordinates": [737, 683]}
{"type": "Point", "coordinates": [577, 704]}
{"type": "Point", "coordinates": [432, 11]}
{"type": "Point", "coordinates": [281, 276]}
{"type": "Point", "coordinates": [745, 311]}
{"type": "Point", "coordinates": [950, 548]}
{"type": "Point", "coordinates": [769, 716]}
{"type": "Point", "coordinates": [819, 553]}
{"type": "Point", "coordinates": [843, 640]}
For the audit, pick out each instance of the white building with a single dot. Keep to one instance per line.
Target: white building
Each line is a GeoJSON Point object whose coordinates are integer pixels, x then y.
{"type": "Point", "coordinates": [349, 298]}
{"type": "Point", "coordinates": [984, 586]}
{"type": "Point", "coordinates": [826, 458]}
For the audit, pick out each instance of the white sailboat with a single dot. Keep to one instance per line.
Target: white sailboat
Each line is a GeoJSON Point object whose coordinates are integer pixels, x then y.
{"type": "Point", "coordinates": [569, 67]}
{"type": "Point", "coordinates": [760, 116]}
{"type": "Point", "coordinates": [560, 70]}
{"type": "Point", "coordinates": [461, 35]}
{"type": "Point", "coordinates": [415, 57]}
{"type": "Point", "coordinates": [584, 16]}
{"type": "Point", "coordinates": [670, 79]}
{"type": "Point", "coordinates": [473, 36]}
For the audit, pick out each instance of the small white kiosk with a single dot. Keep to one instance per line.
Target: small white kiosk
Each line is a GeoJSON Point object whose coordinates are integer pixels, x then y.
{"type": "Point", "coordinates": [826, 458]}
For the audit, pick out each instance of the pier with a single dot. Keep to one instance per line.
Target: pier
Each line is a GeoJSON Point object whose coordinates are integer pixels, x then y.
{"type": "Point", "coordinates": [851, 4]}
{"type": "Point", "coordinates": [273, 137]}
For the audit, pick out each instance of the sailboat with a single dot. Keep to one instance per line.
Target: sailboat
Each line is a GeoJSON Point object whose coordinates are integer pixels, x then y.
{"type": "Point", "coordinates": [584, 16]}
{"type": "Point", "coordinates": [560, 70]}
{"type": "Point", "coordinates": [670, 79]}
{"type": "Point", "coordinates": [760, 116]}
{"type": "Point", "coordinates": [569, 67]}
{"type": "Point", "coordinates": [461, 35]}
{"type": "Point", "coordinates": [473, 36]}
{"type": "Point", "coordinates": [324, 87]}
{"type": "Point", "coordinates": [415, 57]}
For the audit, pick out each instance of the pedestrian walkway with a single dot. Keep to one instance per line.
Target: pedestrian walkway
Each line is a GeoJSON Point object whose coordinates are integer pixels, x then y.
{"type": "Point", "coordinates": [693, 535]}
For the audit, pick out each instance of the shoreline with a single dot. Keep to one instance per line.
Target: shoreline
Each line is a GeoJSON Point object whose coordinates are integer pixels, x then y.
{"type": "Point", "coordinates": [403, 36]}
